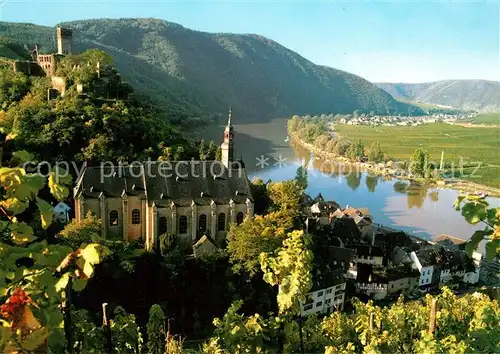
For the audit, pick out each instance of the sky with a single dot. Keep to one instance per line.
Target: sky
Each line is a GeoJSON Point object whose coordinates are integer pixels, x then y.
{"type": "Point", "coordinates": [390, 41]}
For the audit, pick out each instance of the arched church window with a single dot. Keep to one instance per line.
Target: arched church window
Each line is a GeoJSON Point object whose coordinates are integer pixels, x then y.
{"type": "Point", "coordinates": [202, 223]}
{"type": "Point", "coordinates": [239, 218]}
{"type": "Point", "coordinates": [183, 224]}
{"type": "Point", "coordinates": [162, 225]}
{"type": "Point", "coordinates": [113, 218]}
{"type": "Point", "coordinates": [221, 222]}
{"type": "Point", "coordinates": [136, 217]}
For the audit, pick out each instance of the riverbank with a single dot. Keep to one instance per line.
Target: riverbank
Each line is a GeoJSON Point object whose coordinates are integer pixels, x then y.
{"type": "Point", "coordinates": [382, 170]}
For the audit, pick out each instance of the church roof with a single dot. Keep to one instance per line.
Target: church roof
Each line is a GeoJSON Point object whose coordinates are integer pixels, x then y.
{"type": "Point", "coordinates": [162, 183]}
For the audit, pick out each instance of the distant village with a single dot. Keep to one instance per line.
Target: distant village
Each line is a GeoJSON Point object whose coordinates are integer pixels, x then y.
{"type": "Point", "coordinates": [358, 257]}
{"type": "Point", "coordinates": [376, 120]}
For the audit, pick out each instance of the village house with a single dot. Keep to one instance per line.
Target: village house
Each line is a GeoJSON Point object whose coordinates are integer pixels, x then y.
{"type": "Point", "coordinates": [188, 199]}
{"type": "Point", "coordinates": [426, 262]}
{"type": "Point", "coordinates": [325, 297]}
{"type": "Point", "coordinates": [61, 212]}
{"type": "Point", "coordinates": [402, 280]}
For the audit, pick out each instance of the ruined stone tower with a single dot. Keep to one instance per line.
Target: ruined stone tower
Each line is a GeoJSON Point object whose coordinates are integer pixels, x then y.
{"type": "Point", "coordinates": [227, 147]}
{"type": "Point", "coordinates": [64, 39]}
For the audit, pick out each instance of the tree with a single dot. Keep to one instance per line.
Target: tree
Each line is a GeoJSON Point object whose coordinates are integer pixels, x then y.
{"type": "Point", "coordinates": [342, 146]}
{"type": "Point", "coordinates": [356, 151]}
{"type": "Point", "coordinates": [212, 151]}
{"type": "Point", "coordinates": [475, 210]}
{"type": "Point", "coordinates": [375, 154]}
{"type": "Point", "coordinates": [77, 233]}
{"type": "Point", "coordinates": [202, 150]}
{"type": "Point", "coordinates": [260, 196]}
{"type": "Point", "coordinates": [419, 163]}
{"type": "Point", "coordinates": [218, 154]}
{"type": "Point", "coordinates": [301, 177]}
{"type": "Point", "coordinates": [290, 269]}
{"type": "Point", "coordinates": [285, 197]}
{"type": "Point", "coordinates": [156, 330]}
{"type": "Point", "coordinates": [252, 237]}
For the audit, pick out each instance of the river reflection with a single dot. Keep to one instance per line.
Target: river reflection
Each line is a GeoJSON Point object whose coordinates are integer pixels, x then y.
{"type": "Point", "coordinates": [422, 211]}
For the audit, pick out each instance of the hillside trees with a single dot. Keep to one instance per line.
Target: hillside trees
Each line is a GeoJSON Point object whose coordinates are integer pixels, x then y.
{"type": "Point", "coordinates": [82, 128]}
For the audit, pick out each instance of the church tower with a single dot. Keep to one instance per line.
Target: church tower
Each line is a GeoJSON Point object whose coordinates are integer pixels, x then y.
{"type": "Point", "coordinates": [227, 147]}
{"type": "Point", "coordinates": [64, 39]}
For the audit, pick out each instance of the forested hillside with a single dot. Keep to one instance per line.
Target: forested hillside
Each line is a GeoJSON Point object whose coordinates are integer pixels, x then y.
{"type": "Point", "coordinates": [202, 74]}
{"type": "Point", "coordinates": [480, 95]}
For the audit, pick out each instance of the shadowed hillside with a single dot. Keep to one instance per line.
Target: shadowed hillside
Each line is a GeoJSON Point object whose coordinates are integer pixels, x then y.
{"type": "Point", "coordinates": [207, 72]}
{"type": "Point", "coordinates": [480, 95]}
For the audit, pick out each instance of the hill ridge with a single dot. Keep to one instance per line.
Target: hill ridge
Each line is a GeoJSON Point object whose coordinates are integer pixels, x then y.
{"type": "Point", "coordinates": [203, 73]}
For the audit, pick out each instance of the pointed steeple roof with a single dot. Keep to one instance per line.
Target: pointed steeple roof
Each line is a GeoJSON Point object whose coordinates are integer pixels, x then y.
{"type": "Point", "coordinates": [229, 117]}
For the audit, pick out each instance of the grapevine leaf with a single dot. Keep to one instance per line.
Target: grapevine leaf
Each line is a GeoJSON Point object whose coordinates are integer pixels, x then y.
{"type": "Point", "coordinates": [90, 254]}
{"type": "Point", "coordinates": [62, 282]}
{"type": "Point", "coordinates": [23, 156]}
{"type": "Point", "coordinates": [14, 205]}
{"type": "Point", "coordinates": [35, 339]}
{"type": "Point", "coordinates": [492, 248]}
{"type": "Point", "coordinates": [46, 212]}
{"type": "Point", "coordinates": [458, 201]}
{"type": "Point", "coordinates": [474, 212]}
{"type": "Point", "coordinates": [88, 269]}
{"type": "Point", "coordinates": [79, 284]}
{"type": "Point", "coordinates": [474, 241]}
{"type": "Point", "coordinates": [22, 233]}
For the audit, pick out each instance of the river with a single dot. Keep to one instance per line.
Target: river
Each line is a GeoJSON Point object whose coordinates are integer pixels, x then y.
{"type": "Point", "coordinates": [424, 212]}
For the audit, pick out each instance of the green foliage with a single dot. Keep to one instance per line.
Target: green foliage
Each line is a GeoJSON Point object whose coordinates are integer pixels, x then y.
{"type": "Point", "coordinates": [202, 150]}
{"type": "Point", "coordinates": [76, 233]}
{"type": "Point", "coordinates": [375, 154]}
{"type": "Point", "coordinates": [356, 151]}
{"type": "Point", "coordinates": [419, 164]}
{"type": "Point", "coordinates": [290, 269]}
{"type": "Point", "coordinates": [245, 242]}
{"type": "Point", "coordinates": [301, 177]}
{"type": "Point", "coordinates": [475, 210]}
{"type": "Point", "coordinates": [260, 196]}
{"type": "Point", "coordinates": [126, 335]}
{"type": "Point", "coordinates": [464, 324]}
{"type": "Point", "coordinates": [156, 330]}
{"type": "Point", "coordinates": [238, 334]}
{"type": "Point", "coordinates": [13, 86]}
{"type": "Point", "coordinates": [285, 198]}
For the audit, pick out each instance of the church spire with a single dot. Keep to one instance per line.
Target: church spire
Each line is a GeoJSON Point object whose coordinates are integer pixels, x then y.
{"type": "Point", "coordinates": [227, 147]}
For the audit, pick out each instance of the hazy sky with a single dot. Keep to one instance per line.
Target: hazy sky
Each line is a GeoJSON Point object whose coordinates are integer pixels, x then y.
{"type": "Point", "coordinates": [398, 41]}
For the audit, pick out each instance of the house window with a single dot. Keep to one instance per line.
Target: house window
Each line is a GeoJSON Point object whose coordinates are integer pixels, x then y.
{"type": "Point", "coordinates": [392, 285]}
{"type": "Point", "coordinates": [136, 217]}
{"type": "Point", "coordinates": [320, 293]}
{"type": "Point", "coordinates": [202, 223]}
{"type": "Point", "coordinates": [308, 307]}
{"type": "Point", "coordinates": [162, 225]}
{"type": "Point", "coordinates": [183, 224]}
{"type": "Point", "coordinates": [422, 281]}
{"type": "Point", "coordinates": [329, 291]}
{"type": "Point", "coordinates": [328, 301]}
{"type": "Point", "coordinates": [221, 222]}
{"type": "Point", "coordinates": [320, 303]}
{"type": "Point", "coordinates": [113, 218]}
{"type": "Point", "coordinates": [239, 218]}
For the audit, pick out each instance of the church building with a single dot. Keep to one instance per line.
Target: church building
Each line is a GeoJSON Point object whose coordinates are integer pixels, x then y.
{"type": "Point", "coordinates": [188, 199]}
